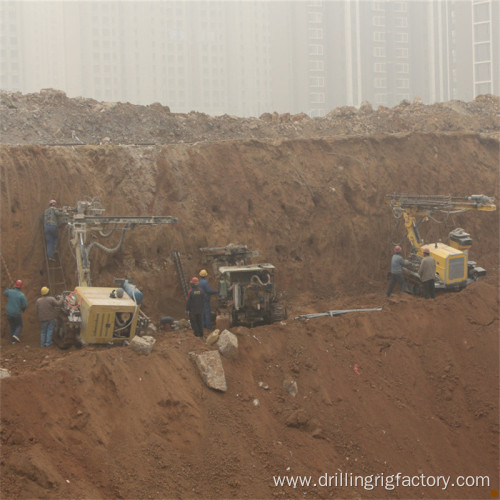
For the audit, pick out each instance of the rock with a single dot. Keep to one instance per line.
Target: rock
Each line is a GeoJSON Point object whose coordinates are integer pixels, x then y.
{"type": "Point", "coordinates": [209, 365]}
{"type": "Point", "coordinates": [183, 324]}
{"type": "Point", "coordinates": [228, 345]}
{"type": "Point", "coordinates": [4, 373]}
{"type": "Point", "coordinates": [366, 107]}
{"type": "Point", "coordinates": [142, 345]}
{"type": "Point", "coordinates": [213, 337]}
{"type": "Point", "coordinates": [300, 117]}
{"type": "Point", "coordinates": [297, 419]}
{"type": "Point", "coordinates": [290, 386]}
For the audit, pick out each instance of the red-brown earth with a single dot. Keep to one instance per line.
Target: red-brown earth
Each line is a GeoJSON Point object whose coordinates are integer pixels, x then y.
{"type": "Point", "coordinates": [413, 388]}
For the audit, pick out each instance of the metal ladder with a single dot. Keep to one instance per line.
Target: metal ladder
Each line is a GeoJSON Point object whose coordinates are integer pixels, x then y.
{"type": "Point", "coordinates": [180, 272]}
{"type": "Point", "coordinates": [55, 272]}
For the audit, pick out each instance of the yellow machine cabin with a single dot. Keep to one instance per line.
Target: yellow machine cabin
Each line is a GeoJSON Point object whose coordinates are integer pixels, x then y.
{"type": "Point", "coordinates": [451, 264]}
{"type": "Point", "coordinates": [105, 317]}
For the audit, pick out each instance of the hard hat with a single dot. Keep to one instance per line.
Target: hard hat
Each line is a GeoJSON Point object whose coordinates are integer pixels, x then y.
{"type": "Point", "coordinates": [194, 280]}
{"type": "Point", "coordinates": [52, 202]}
{"type": "Point", "coordinates": [18, 284]}
{"type": "Point", "coordinates": [397, 249]}
{"type": "Point", "coordinates": [44, 290]}
{"type": "Point", "coordinates": [426, 250]}
{"type": "Point", "coordinates": [203, 272]}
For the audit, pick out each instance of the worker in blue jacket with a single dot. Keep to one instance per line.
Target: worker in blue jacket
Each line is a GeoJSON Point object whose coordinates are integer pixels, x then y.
{"type": "Point", "coordinates": [205, 286]}
{"type": "Point", "coordinates": [16, 305]}
{"type": "Point", "coordinates": [397, 263]}
{"type": "Point", "coordinates": [194, 307]}
{"type": "Point", "coordinates": [51, 217]}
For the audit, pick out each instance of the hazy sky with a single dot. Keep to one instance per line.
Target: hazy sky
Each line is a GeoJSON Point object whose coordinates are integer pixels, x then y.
{"type": "Point", "coordinates": [248, 57]}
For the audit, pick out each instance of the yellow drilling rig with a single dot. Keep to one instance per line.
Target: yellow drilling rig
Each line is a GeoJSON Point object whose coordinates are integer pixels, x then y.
{"type": "Point", "coordinates": [99, 315]}
{"type": "Point", "coordinates": [454, 270]}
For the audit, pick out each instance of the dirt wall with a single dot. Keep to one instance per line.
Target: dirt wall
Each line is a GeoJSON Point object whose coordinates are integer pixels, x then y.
{"type": "Point", "coordinates": [412, 388]}
{"type": "Point", "coordinates": [314, 208]}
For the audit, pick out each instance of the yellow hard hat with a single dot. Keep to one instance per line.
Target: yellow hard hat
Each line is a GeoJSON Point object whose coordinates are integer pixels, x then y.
{"type": "Point", "coordinates": [44, 290]}
{"type": "Point", "coordinates": [203, 272]}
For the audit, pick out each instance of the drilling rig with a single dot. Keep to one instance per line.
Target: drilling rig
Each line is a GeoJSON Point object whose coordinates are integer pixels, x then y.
{"type": "Point", "coordinates": [99, 315]}
{"type": "Point", "coordinates": [454, 270]}
{"type": "Point", "coordinates": [247, 292]}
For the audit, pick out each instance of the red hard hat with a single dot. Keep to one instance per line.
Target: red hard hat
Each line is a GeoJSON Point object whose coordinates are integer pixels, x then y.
{"type": "Point", "coordinates": [18, 284]}
{"type": "Point", "coordinates": [397, 249]}
{"type": "Point", "coordinates": [52, 202]}
{"type": "Point", "coordinates": [194, 281]}
{"type": "Point", "coordinates": [426, 250]}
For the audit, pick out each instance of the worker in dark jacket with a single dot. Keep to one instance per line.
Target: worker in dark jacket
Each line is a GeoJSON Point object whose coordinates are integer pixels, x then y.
{"type": "Point", "coordinates": [397, 263]}
{"type": "Point", "coordinates": [46, 311]}
{"type": "Point", "coordinates": [427, 273]}
{"type": "Point", "coordinates": [194, 307]}
{"type": "Point", "coordinates": [205, 286]}
{"type": "Point", "coordinates": [16, 305]}
{"type": "Point", "coordinates": [50, 227]}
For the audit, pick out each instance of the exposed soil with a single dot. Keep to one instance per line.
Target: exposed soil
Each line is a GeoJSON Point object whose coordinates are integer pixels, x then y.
{"type": "Point", "coordinates": [413, 388]}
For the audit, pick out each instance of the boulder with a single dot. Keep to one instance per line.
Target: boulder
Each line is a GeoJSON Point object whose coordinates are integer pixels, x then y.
{"type": "Point", "coordinates": [142, 345]}
{"type": "Point", "coordinates": [209, 365]}
{"type": "Point", "coordinates": [228, 344]}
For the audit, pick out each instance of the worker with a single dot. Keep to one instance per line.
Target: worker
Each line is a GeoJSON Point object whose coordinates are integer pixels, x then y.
{"type": "Point", "coordinates": [205, 286]}
{"type": "Point", "coordinates": [194, 307]}
{"type": "Point", "coordinates": [397, 264]}
{"type": "Point", "coordinates": [16, 305]}
{"type": "Point", "coordinates": [46, 312]}
{"type": "Point", "coordinates": [51, 217]}
{"type": "Point", "coordinates": [427, 273]}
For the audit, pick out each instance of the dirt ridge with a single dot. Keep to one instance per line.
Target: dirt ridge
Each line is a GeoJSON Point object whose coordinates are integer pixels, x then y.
{"type": "Point", "coordinates": [50, 117]}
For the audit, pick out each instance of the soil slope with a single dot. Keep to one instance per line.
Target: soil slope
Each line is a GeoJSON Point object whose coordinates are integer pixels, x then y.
{"type": "Point", "coordinates": [412, 388]}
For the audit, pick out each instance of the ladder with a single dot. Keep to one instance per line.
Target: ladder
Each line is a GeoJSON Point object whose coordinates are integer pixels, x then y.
{"type": "Point", "coordinates": [55, 272]}
{"type": "Point", "coordinates": [180, 272]}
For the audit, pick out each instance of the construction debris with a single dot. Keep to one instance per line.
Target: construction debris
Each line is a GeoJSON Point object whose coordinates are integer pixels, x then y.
{"type": "Point", "coordinates": [50, 117]}
{"type": "Point", "coordinates": [337, 312]}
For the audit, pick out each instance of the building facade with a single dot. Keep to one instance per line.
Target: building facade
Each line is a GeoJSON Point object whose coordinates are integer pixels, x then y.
{"type": "Point", "coordinates": [246, 58]}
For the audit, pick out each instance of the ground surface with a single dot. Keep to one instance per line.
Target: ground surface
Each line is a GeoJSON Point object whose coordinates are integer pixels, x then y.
{"type": "Point", "coordinates": [412, 388]}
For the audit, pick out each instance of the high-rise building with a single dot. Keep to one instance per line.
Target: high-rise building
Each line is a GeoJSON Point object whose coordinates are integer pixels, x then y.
{"type": "Point", "coordinates": [246, 58]}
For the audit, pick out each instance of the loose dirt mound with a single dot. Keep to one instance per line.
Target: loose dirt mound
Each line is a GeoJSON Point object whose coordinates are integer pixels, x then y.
{"type": "Point", "coordinates": [412, 388]}
{"type": "Point", "coordinates": [50, 117]}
